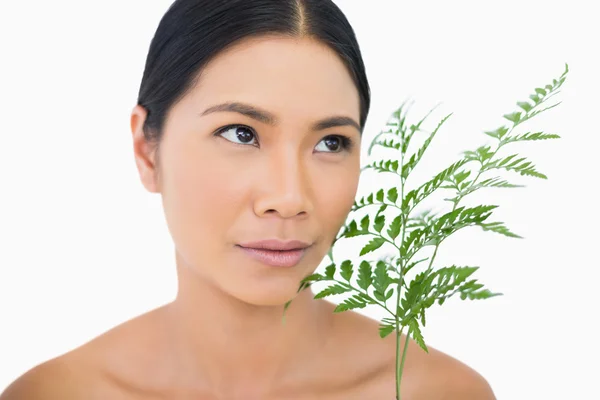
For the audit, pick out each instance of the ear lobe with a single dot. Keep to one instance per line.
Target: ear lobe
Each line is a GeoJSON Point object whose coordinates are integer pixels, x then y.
{"type": "Point", "coordinates": [144, 152]}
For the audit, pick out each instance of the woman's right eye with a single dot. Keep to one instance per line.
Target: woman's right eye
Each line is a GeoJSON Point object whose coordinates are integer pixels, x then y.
{"type": "Point", "coordinates": [238, 134]}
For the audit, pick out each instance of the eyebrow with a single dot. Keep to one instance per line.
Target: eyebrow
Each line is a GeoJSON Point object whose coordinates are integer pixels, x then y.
{"type": "Point", "coordinates": [270, 119]}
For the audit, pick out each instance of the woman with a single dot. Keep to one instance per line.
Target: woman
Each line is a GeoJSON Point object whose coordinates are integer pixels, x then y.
{"type": "Point", "coordinates": [249, 124]}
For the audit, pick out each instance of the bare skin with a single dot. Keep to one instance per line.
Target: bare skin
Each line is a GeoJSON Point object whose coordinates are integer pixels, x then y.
{"type": "Point", "coordinates": [222, 337]}
{"type": "Point", "coordinates": [135, 361]}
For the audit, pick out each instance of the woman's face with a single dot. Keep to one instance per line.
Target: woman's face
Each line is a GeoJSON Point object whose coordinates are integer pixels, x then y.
{"type": "Point", "coordinates": [265, 171]}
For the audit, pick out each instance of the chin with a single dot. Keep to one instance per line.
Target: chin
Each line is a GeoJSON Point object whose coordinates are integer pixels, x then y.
{"type": "Point", "coordinates": [262, 294]}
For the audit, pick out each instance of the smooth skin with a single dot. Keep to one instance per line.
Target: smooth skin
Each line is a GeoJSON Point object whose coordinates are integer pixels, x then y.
{"type": "Point", "coordinates": [276, 177]}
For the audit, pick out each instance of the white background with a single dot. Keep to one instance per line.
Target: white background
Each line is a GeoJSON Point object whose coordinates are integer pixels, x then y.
{"type": "Point", "coordinates": [84, 247]}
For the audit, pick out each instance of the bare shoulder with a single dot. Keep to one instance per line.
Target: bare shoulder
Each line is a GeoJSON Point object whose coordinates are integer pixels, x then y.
{"type": "Point", "coordinates": [429, 376]}
{"type": "Point", "coordinates": [445, 377]}
{"type": "Point", "coordinates": [91, 371]}
{"type": "Point", "coordinates": [54, 379]}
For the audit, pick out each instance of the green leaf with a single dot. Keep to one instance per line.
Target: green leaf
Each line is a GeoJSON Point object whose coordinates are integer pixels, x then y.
{"type": "Point", "coordinates": [379, 223]}
{"type": "Point", "coordinates": [332, 290]}
{"type": "Point", "coordinates": [450, 278]}
{"type": "Point", "coordinates": [364, 223]}
{"type": "Point", "coordinates": [285, 308]}
{"type": "Point", "coordinates": [415, 332]}
{"type": "Point", "coordinates": [384, 166]}
{"type": "Point", "coordinates": [351, 230]}
{"type": "Point", "coordinates": [490, 182]}
{"type": "Point", "coordinates": [520, 165]}
{"type": "Point", "coordinates": [503, 161]}
{"type": "Point", "coordinates": [459, 177]}
{"type": "Point", "coordinates": [314, 278]}
{"type": "Point", "coordinates": [416, 157]}
{"type": "Point", "coordinates": [536, 99]}
{"type": "Point", "coordinates": [346, 270]}
{"type": "Point", "coordinates": [389, 294]}
{"type": "Point", "coordinates": [415, 128]}
{"type": "Point", "coordinates": [417, 296]}
{"type": "Point", "coordinates": [526, 106]}
{"type": "Point", "coordinates": [536, 112]}
{"type": "Point", "coordinates": [485, 153]}
{"type": "Point", "coordinates": [471, 155]}
{"type": "Point", "coordinates": [452, 221]}
{"type": "Point", "coordinates": [390, 143]}
{"type": "Point", "coordinates": [350, 304]}
{"type": "Point", "coordinates": [423, 219]}
{"type": "Point", "coordinates": [373, 245]}
{"type": "Point", "coordinates": [531, 136]}
{"type": "Point", "coordinates": [379, 296]}
{"type": "Point", "coordinates": [499, 227]}
{"type": "Point", "coordinates": [513, 117]}
{"type": "Point", "coordinates": [498, 133]}
{"type": "Point", "coordinates": [365, 277]}
{"type": "Point", "coordinates": [412, 241]}
{"type": "Point", "coordinates": [480, 295]}
{"type": "Point", "coordinates": [410, 266]}
{"type": "Point", "coordinates": [303, 286]}
{"type": "Point", "coordinates": [394, 229]}
{"type": "Point", "coordinates": [385, 330]}
{"type": "Point", "coordinates": [382, 279]}
{"type": "Point", "coordinates": [474, 291]}
{"type": "Point", "coordinates": [531, 171]}
{"type": "Point", "coordinates": [330, 271]}
{"type": "Point", "coordinates": [497, 182]}
{"type": "Point", "coordinates": [394, 126]}
{"type": "Point", "coordinates": [540, 91]}
{"type": "Point", "coordinates": [423, 321]}
{"type": "Point", "coordinates": [415, 196]}
{"type": "Point", "coordinates": [371, 199]}
{"type": "Point", "coordinates": [392, 195]}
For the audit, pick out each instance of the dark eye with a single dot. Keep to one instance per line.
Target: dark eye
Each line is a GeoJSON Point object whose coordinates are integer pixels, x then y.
{"type": "Point", "coordinates": [238, 134]}
{"type": "Point", "coordinates": [334, 144]}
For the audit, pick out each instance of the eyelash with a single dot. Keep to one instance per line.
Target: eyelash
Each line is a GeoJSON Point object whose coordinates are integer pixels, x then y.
{"type": "Point", "coordinates": [346, 144]}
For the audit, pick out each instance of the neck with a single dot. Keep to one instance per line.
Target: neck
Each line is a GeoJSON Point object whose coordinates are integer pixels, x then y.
{"type": "Point", "coordinates": [234, 347]}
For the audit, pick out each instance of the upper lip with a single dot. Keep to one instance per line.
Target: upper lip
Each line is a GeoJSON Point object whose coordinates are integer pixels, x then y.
{"type": "Point", "coordinates": [276, 244]}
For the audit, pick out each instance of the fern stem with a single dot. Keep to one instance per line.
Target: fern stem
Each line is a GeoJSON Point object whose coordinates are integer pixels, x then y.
{"type": "Point", "coordinates": [437, 246]}
{"type": "Point", "coordinates": [404, 350]}
{"type": "Point", "coordinates": [400, 365]}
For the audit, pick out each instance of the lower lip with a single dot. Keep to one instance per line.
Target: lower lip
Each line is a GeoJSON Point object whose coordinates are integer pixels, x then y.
{"type": "Point", "coordinates": [275, 258]}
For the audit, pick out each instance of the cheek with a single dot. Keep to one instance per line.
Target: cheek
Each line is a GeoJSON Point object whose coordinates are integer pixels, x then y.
{"type": "Point", "coordinates": [336, 193]}
{"type": "Point", "coordinates": [199, 199]}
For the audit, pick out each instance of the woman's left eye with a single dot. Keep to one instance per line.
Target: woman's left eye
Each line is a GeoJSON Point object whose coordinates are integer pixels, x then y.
{"type": "Point", "coordinates": [335, 144]}
{"type": "Point", "coordinates": [238, 134]}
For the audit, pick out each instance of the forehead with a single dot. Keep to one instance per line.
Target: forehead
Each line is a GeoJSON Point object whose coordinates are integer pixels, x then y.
{"type": "Point", "coordinates": [287, 76]}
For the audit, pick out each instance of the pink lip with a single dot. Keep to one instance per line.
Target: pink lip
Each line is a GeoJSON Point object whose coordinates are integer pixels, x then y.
{"type": "Point", "coordinates": [276, 244]}
{"type": "Point", "coordinates": [276, 258]}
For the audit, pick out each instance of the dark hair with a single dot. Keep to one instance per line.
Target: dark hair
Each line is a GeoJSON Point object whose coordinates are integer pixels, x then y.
{"type": "Point", "coordinates": [192, 32]}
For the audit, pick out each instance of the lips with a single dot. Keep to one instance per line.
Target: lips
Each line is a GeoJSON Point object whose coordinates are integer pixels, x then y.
{"type": "Point", "coordinates": [275, 252]}
{"type": "Point", "coordinates": [276, 244]}
{"type": "Point", "coordinates": [275, 258]}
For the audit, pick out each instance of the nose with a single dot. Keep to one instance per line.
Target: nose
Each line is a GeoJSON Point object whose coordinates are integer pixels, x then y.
{"type": "Point", "coordinates": [284, 187]}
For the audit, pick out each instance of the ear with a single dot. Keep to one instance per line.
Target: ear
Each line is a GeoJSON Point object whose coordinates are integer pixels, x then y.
{"type": "Point", "coordinates": [144, 152]}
